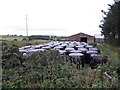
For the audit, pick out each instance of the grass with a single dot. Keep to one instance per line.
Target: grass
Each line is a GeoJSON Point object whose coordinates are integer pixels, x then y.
{"type": "Point", "coordinates": [24, 43]}
{"type": "Point", "coordinates": [20, 38]}
{"type": "Point", "coordinates": [20, 42]}
{"type": "Point", "coordinates": [108, 50]}
{"type": "Point", "coordinates": [7, 38]}
{"type": "Point", "coordinates": [111, 52]}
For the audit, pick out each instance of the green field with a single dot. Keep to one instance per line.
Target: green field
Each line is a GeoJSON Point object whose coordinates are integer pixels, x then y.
{"type": "Point", "coordinates": [20, 42]}
{"type": "Point", "coordinates": [8, 38]}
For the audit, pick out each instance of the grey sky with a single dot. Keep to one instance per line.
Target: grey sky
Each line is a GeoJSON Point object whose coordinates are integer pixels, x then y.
{"type": "Point", "coordinates": [52, 17]}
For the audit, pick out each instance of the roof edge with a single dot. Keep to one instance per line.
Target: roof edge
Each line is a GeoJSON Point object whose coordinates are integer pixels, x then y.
{"type": "Point", "coordinates": [81, 33]}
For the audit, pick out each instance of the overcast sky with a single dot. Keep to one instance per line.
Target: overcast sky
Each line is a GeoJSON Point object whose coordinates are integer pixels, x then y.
{"type": "Point", "coordinates": [51, 17]}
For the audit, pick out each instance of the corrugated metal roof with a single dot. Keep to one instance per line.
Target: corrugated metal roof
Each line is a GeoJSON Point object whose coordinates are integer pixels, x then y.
{"type": "Point", "coordinates": [81, 34]}
{"type": "Point", "coordinates": [99, 36]}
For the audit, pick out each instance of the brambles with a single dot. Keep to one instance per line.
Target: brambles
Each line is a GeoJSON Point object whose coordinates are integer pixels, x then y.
{"type": "Point", "coordinates": [4, 46]}
{"type": "Point", "coordinates": [50, 70]}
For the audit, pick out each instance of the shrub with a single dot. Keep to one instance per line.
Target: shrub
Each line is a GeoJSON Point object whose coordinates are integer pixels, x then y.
{"type": "Point", "coordinates": [24, 39]}
{"type": "Point", "coordinates": [4, 46]}
{"type": "Point", "coordinates": [15, 39]}
{"type": "Point", "coordinates": [50, 70]}
{"type": "Point", "coordinates": [14, 48]}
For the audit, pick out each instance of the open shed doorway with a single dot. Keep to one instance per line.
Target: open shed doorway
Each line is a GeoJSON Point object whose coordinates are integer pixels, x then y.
{"type": "Point", "coordinates": [83, 39]}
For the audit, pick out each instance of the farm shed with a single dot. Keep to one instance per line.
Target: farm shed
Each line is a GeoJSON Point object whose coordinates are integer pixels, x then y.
{"type": "Point", "coordinates": [81, 37]}
{"type": "Point", "coordinates": [99, 38]}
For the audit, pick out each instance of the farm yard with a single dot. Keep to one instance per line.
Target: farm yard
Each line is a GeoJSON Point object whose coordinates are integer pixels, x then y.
{"type": "Point", "coordinates": [58, 64]}
{"type": "Point", "coordinates": [60, 44]}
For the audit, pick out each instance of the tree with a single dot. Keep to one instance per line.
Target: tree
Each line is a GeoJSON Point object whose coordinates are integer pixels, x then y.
{"type": "Point", "coordinates": [110, 24]}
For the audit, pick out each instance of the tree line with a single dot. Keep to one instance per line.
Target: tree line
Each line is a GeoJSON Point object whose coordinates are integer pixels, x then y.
{"type": "Point", "coordinates": [47, 37]}
{"type": "Point", "coordinates": [110, 24]}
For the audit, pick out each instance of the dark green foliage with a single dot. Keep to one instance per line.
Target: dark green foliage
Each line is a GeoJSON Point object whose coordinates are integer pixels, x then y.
{"type": "Point", "coordinates": [43, 37]}
{"type": "Point", "coordinates": [4, 46]}
{"type": "Point", "coordinates": [110, 24]}
{"type": "Point", "coordinates": [47, 37]}
{"type": "Point", "coordinates": [14, 48]}
{"type": "Point", "coordinates": [50, 70]}
{"type": "Point", "coordinates": [9, 50]}
{"type": "Point", "coordinates": [24, 39]}
{"type": "Point", "coordinates": [15, 39]}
